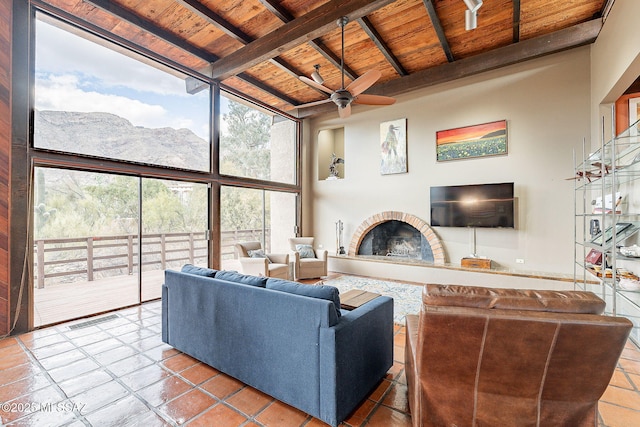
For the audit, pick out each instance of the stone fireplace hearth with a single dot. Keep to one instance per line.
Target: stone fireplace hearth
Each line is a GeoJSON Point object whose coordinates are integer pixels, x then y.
{"type": "Point", "coordinates": [397, 234]}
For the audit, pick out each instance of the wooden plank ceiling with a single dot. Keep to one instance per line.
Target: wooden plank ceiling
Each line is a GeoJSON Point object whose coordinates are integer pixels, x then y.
{"type": "Point", "coordinates": [260, 47]}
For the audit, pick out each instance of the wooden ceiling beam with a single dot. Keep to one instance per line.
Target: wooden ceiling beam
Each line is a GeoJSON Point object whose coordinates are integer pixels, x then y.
{"type": "Point", "coordinates": [437, 26]}
{"type": "Point", "coordinates": [373, 34]}
{"type": "Point", "coordinates": [278, 10]}
{"type": "Point", "coordinates": [516, 21]}
{"type": "Point", "coordinates": [193, 85]}
{"type": "Point", "coordinates": [268, 89]}
{"type": "Point", "coordinates": [148, 26]}
{"type": "Point", "coordinates": [308, 27]}
{"type": "Point", "coordinates": [334, 59]}
{"type": "Point", "coordinates": [285, 16]}
{"type": "Point", "coordinates": [217, 21]}
{"type": "Point", "coordinates": [118, 40]}
{"type": "Point", "coordinates": [568, 38]}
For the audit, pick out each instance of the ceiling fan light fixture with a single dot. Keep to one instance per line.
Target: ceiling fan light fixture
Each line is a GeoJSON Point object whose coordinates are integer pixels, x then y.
{"type": "Point", "coordinates": [470, 20]}
{"type": "Point", "coordinates": [345, 96]}
{"type": "Point", "coordinates": [473, 5]}
{"type": "Point", "coordinates": [342, 98]}
{"type": "Point", "coordinates": [316, 75]}
{"type": "Point", "coordinates": [471, 14]}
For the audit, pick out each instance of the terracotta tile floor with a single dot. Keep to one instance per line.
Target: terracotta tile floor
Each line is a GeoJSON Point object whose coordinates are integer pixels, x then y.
{"type": "Point", "coordinates": [118, 372]}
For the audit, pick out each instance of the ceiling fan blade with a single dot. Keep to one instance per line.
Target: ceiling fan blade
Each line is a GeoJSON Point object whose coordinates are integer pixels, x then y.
{"type": "Point", "coordinates": [364, 82]}
{"type": "Point", "coordinates": [344, 112]}
{"type": "Point", "coordinates": [312, 83]}
{"type": "Point", "coordinates": [311, 104]}
{"type": "Point", "coordinates": [365, 99]}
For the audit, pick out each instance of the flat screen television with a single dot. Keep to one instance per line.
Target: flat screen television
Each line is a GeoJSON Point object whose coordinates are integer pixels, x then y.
{"type": "Point", "coordinates": [481, 205]}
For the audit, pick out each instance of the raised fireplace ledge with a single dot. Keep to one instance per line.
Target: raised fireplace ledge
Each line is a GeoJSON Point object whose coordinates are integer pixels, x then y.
{"type": "Point", "coordinates": [556, 277]}
{"type": "Point", "coordinates": [424, 228]}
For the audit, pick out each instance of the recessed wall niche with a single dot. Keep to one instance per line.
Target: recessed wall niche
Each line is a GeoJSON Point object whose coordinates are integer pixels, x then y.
{"type": "Point", "coordinates": [330, 142]}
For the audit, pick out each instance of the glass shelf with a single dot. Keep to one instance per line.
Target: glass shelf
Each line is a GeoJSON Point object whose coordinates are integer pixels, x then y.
{"type": "Point", "coordinates": [611, 169]}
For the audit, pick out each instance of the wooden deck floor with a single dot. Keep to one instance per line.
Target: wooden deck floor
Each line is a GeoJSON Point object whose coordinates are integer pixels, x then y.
{"type": "Point", "coordinates": [61, 302]}
{"type": "Point", "coordinates": [57, 303]}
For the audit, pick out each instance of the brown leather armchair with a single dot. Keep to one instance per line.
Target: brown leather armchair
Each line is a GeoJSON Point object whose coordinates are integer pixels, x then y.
{"type": "Point", "coordinates": [505, 357]}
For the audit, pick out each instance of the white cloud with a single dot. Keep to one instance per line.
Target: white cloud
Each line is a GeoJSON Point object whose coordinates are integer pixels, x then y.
{"type": "Point", "coordinates": [111, 68]}
{"type": "Point", "coordinates": [63, 93]}
{"type": "Point", "coordinates": [75, 74]}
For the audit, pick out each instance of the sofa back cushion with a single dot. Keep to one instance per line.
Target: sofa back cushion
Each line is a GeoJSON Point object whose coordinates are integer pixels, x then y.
{"type": "Point", "coordinates": [199, 271]}
{"type": "Point", "coordinates": [314, 291]}
{"type": "Point", "coordinates": [512, 299]}
{"type": "Point", "coordinates": [232, 276]}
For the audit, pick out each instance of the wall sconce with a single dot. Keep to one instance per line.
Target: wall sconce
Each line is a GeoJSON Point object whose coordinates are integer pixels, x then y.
{"type": "Point", "coordinates": [471, 14]}
{"type": "Point", "coordinates": [316, 75]}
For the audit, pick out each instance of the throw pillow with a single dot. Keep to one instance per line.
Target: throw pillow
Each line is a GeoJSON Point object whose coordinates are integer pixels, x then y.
{"type": "Point", "coordinates": [330, 293]}
{"type": "Point", "coordinates": [305, 251]}
{"type": "Point", "coordinates": [258, 253]}
{"type": "Point", "coordinates": [199, 271]}
{"type": "Point", "coordinates": [232, 276]}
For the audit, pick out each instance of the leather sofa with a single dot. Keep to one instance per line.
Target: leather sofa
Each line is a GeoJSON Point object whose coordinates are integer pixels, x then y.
{"type": "Point", "coordinates": [479, 356]}
{"type": "Point", "coordinates": [289, 340]}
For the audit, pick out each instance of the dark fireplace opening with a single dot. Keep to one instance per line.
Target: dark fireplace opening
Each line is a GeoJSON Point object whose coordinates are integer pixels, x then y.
{"type": "Point", "coordinates": [396, 239]}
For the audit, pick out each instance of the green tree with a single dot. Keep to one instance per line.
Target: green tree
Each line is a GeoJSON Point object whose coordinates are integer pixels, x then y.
{"type": "Point", "coordinates": [241, 209]}
{"type": "Point", "coordinates": [77, 204]}
{"type": "Point", "coordinates": [244, 143]}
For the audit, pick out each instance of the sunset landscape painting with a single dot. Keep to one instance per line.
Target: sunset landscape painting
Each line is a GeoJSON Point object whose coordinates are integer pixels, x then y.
{"type": "Point", "coordinates": [488, 139]}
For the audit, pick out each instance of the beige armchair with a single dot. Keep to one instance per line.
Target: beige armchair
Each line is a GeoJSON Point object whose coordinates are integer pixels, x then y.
{"type": "Point", "coordinates": [256, 263]}
{"type": "Point", "coordinates": [309, 263]}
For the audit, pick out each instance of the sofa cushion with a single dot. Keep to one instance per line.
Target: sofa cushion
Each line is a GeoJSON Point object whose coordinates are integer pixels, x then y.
{"type": "Point", "coordinates": [232, 276]}
{"type": "Point", "coordinates": [314, 291]}
{"type": "Point", "coordinates": [513, 299]}
{"type": "Point", "coordinates": [305, 251]}
{"type": "Point", "coordinates": [199, 271]}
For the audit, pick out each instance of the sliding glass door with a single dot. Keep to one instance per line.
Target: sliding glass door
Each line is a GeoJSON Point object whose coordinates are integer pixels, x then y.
{"type": "Point", "coordinates": [85, 243]}
{"type": "Point", "coordinates": [89, 254]}
{"type": "Point", "coordinates": [174, 225]}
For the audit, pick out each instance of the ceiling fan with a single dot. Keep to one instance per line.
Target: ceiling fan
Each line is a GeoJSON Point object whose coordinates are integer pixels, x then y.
{"type": "Point", "coordinates": [345, 96]}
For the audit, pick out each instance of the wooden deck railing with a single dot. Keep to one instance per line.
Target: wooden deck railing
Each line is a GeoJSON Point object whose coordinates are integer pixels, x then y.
{"type": "Point", "coordinates": [83, 258]}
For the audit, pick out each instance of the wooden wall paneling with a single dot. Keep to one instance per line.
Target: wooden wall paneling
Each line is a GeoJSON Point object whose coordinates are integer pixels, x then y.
{"type": "Point", "coordinates": [5, 148]}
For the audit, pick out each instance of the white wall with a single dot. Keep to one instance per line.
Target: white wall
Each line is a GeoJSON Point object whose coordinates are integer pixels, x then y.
{"type": "Point", "coordinates": [616, 54]}
{"type": "Point", "coordinates": [547, 105]}
{"type": "Point", "coordinates": [615, 64]}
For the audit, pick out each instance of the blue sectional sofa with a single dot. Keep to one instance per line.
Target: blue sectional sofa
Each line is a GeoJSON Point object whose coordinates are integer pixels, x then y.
{"type": "Point", "coordinates": [289, 340]}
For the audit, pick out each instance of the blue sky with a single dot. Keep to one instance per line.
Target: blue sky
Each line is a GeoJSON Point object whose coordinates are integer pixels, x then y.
{"type": "Point", "coordinates": [74, 74]}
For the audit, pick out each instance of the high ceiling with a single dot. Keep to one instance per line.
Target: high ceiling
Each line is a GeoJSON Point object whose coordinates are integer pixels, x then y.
{"type": "Point", "coordinates": [260, 47]}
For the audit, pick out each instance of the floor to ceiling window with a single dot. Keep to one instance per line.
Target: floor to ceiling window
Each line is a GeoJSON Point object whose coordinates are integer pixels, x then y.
{"type": "Point", "coordinates": [257, 144]}
{"type": "Point", "coordinates": [123, 178]}
{"type": "Point", "coordinates": [103, 240]}
{"type": "Point", "coordinates": [92, 99]}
